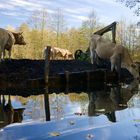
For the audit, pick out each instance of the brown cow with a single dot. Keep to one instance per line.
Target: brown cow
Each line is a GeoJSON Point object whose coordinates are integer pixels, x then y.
{"type": "Point", "coordinates": [7, 40]}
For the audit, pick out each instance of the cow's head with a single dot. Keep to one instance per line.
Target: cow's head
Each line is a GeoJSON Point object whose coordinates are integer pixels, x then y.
{"type": "Point", "coordinates": [93, 42]}
{"type": "Point", "coordinates": [19, 39]}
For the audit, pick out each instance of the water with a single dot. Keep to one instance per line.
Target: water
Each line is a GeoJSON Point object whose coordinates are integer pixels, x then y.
{"type": "Point", "coordinates": [116, 103]}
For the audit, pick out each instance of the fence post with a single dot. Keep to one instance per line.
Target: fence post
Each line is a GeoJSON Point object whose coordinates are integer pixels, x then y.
{"type": "Point", "coordinates": [67, 81]}
{"type": "Point", "coordinates": [46, 74]}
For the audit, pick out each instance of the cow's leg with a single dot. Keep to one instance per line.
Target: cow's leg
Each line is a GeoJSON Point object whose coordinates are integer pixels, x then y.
{"type": "Point", "coordinates": [1, 52]}
{"type": "Point", "coordinates": [96, 58]}
{"type": "Point", "coordinates": [9, 53]}
{"type": "Point", "coordinates": [113, 63]}
{"type": "Point", "coordinates": [92, 54]}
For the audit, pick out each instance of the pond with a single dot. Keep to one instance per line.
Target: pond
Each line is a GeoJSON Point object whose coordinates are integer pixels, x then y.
{"type": "Point", "coordinates": [111, 105]}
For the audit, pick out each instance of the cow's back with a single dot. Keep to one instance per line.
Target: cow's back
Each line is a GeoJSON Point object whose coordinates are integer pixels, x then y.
{"type": "Point", "coordinates": [4, 36]}
{"type": "Point", "coordinates": [6, 39]}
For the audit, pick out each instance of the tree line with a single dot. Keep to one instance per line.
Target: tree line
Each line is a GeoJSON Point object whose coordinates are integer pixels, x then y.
{"type": "Point", "coordinates": [44, 29]}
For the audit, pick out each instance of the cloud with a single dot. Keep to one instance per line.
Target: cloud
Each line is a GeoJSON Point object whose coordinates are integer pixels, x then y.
{"type": "Point", "coordinates": [78, 11]}
{"type": "Point", "coordinates": [9, 13]}
{"type": "Point", "coordinates": [73, 11]}
{"type": "Point", "coordinates": [6, 6]}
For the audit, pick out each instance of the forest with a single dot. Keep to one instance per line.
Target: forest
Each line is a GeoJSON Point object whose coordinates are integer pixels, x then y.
{"type": "Point", "coordinates": [44, 28]}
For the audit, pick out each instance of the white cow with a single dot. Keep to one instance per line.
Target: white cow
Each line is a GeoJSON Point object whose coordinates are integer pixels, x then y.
{"type": "Point", "coordinates": [59, 53]}
{"type": "Point", "coordinates": [107, 50]}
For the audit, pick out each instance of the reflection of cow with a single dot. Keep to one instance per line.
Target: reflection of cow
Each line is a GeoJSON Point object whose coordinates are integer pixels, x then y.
{"type": "Point", "coordinates": [7, 40]}
{"type": "Point", "coordinates": [8, 114]}
{"type": "Point", "coordinates": [102, 102]}
{"type": "Point", "coordinates": [107, 50]}
{"type": "Point", "coordinates": [58, 53]}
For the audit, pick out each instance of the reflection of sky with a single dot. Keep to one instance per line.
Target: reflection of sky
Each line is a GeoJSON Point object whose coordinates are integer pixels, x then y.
{"type": "Point", "coordinates": [127, 114]}
{"type": "Point", "coordinates": [62, 107]}
{"type": "Point", "coordinates": [71, 108]}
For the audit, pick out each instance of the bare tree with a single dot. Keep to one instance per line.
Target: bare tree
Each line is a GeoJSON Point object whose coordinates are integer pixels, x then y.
{"type": "Point", "coordinates": [132, 37]}
{"type": "Point", "coordinates": [58, 24]}
{"type": "Point", "coordinates": [132, 4]}
{"type": "Point", "coordinates": [121, 32]}
{"type": "Point", "coordinates": [38, 21]}
{"type": "Point", "coordinates": [90, 25]}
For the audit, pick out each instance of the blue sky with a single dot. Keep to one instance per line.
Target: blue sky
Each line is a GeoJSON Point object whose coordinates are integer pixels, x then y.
{"type": "Point", "coordinates": [14, 12]}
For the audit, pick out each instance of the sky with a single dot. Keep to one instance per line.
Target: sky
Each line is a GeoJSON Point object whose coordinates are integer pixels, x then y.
{"type": "Point", "coordinates": [15, 12]}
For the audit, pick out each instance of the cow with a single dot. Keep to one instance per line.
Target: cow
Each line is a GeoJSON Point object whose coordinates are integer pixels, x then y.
{"type": "Point", "coordinates": [59, 53]}
{"type": "Point", "coordinates": [108, 50]}
{"type": "Point", "coordinates": [7, 40]}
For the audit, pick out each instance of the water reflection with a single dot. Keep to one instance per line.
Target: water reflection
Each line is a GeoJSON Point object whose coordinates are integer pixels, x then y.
{"type": "Point", "coordinates": [8, 114]}
{"type": "Point", "coordinates": [117, 98]}
{"type": "Point", "coordinates": [114, 102]}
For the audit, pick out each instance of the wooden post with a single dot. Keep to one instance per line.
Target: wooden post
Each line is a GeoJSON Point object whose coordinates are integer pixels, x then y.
{"type": "Point", "coordinates": [67, 81]}
{"type": "Point", "coordinates": [114, 33]}
{"type": "Point", "coordinates": [46, 71]}
{"type": "Point", "coordinates": [105, 76]}
{"type": "Point", "coordinates": [88, 79]}
{"type": "Point", "coordinates": [47, 106]}
{"type": "Point", "coordinates": [47, 63]}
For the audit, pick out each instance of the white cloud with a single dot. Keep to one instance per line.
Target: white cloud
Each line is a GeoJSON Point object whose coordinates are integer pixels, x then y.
{"type": "Point", "coordinates": [74, 11]}
{"type": "Point", "coordinates": [83, 10]}
{"type": "Point", "coordinates": [108, 1]}
{"type": "Point", "coordinates": [78, 17]}
{"type": "Point", "coordinates": [23, 3]}
{"type": "Point", "coordinates": [9, 13]}
{"type": "Point", "coordinates": [6, 6]}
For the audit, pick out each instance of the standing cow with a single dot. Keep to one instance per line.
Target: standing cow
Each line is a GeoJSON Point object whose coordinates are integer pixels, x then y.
{"type": "Point", "coordinates": [108, 50]}
{"type": "Point", "coordinates": [7, 40]}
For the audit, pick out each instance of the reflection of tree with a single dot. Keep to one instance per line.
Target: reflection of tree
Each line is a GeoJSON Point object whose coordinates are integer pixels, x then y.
{"type": "Point", "coordinates": [34, 107]}
{"type": "Point", "coordinates": [57, 104]}
{"type": "Point", "coordinates": [81, 99]}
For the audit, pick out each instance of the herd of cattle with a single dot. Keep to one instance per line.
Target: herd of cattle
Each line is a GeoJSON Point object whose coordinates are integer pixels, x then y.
{"type": "Point", "coordinates": [98, 46]}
